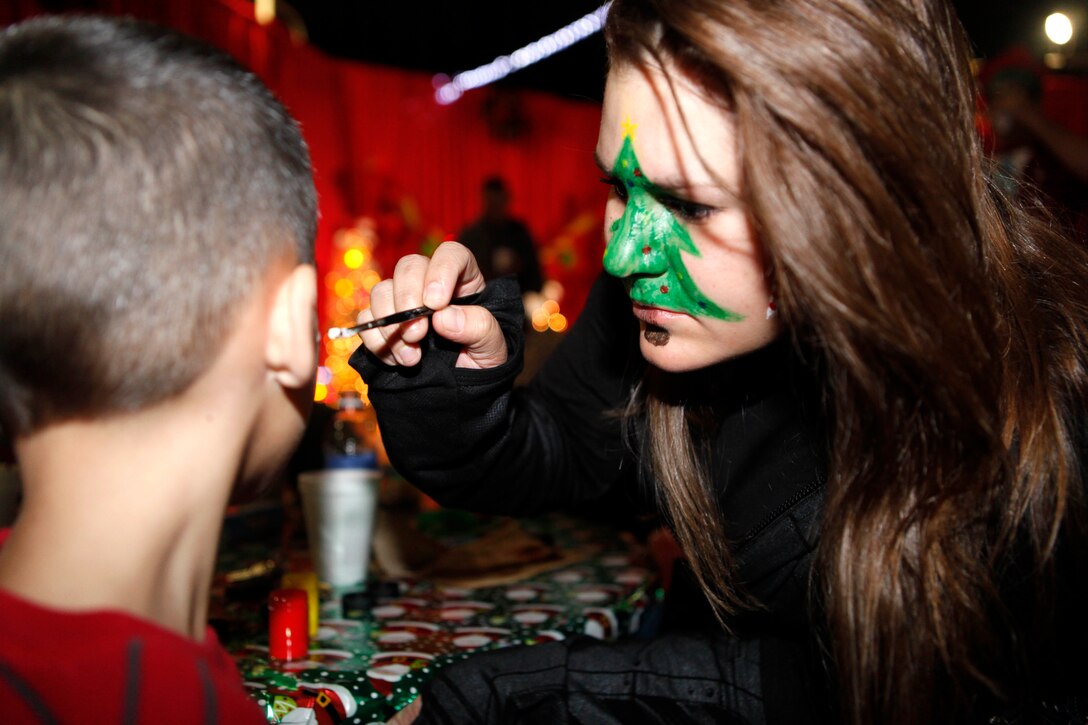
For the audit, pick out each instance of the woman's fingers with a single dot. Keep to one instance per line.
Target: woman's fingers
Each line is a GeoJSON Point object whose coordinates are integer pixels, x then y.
{"type": "Point", "coordinates": [450, 272]}
{"type": "Point", "coordinates": [380, 341]}
{"type": "Point", "coordinates": [408, 280]}
{"type": "Point", "coordinates": [453, 272]}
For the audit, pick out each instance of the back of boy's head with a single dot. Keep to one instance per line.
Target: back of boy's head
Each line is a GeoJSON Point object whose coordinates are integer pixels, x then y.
{"type": "Point", "coordinates": [147, 185]}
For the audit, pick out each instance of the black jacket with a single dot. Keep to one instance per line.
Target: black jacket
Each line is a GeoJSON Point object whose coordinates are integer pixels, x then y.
{"type": "Point", "coordinates": [471, 441]}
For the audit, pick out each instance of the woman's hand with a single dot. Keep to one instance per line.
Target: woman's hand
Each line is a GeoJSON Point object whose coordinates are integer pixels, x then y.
{"type": "Point", "coordinates": [450, 272]}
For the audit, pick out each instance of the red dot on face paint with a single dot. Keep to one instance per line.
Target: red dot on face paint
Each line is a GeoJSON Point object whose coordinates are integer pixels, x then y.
{"type": "Point", "coordinates": [664, 289]}
{"type": "Point", "coordinates": [646, 249]}
{"type": "Point", "coordinates": [638, 173]}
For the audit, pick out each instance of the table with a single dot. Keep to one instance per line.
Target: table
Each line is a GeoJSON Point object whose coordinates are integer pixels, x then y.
{"type": "Point", "coordinates": [370, 660]}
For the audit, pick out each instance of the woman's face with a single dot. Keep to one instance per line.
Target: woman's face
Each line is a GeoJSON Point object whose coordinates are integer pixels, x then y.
{"type": "Point", "coordinates": [677, 232]}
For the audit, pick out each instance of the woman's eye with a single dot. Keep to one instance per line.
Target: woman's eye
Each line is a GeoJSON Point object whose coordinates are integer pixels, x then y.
{"type": "Point", "coordinates": [688, 210]}
{"type": "Point", "coordinates": [618, 186]}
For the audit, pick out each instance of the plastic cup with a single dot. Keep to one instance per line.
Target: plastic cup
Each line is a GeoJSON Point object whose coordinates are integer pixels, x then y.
{"type": "Point", "coordinates": [339, 506]}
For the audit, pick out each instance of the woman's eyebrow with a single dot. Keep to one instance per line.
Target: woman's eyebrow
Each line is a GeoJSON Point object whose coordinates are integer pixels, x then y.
{"type": "Point", "coordinates": [674, 186]}
{"type": "Point", "coordinates": [681, 188]}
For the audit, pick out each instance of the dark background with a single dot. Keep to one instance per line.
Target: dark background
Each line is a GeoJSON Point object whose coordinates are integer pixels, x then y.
{"type": "Point", "coordinates": [450, 37]}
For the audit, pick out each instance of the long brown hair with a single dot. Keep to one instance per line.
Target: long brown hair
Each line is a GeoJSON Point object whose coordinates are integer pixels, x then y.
{"type": "Point", "coordinates": [948, 326]}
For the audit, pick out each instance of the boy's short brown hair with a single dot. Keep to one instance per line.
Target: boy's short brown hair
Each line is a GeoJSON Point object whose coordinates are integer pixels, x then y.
{"type": "Point", "coordinates": [147, 182]}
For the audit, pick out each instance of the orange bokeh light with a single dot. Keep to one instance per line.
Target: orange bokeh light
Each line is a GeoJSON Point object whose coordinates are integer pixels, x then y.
{"type": "Point", "coordinates": [344, 288]}
{"type": "Point", "coordinates": [540, 320]}
{"type": "Point", "coordinates": [370, 278]}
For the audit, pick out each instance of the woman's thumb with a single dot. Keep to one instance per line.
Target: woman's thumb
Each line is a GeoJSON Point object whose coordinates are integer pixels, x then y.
{"type": "Point", "coordinates": [477, 330]}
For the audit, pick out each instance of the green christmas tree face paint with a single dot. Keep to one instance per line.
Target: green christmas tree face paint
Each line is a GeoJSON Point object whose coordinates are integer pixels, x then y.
{"type": "Point", "coordinates": [646, 245]}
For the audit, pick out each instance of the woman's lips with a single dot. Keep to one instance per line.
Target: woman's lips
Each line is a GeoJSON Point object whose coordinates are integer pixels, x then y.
{"type": "Point", "coordinates": [655, 315]}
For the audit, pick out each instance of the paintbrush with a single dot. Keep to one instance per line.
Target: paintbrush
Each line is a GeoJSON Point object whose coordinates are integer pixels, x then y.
{"type": "Point", "coordinates": [335, 333]}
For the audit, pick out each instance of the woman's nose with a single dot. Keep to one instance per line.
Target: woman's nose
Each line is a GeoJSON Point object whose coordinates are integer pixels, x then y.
{"type": "Point", "coordinates": [635, 247]}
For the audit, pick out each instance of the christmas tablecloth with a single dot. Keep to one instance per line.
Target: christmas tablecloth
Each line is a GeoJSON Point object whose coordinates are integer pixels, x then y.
{"type": "Point", "coordinates": [370, 658]}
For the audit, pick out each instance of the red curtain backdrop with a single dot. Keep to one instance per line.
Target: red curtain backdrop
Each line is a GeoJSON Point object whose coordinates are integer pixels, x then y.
{"type": "Point", "coordinates": [1065, 98]}
{"type": "Point", "coordinates": [382, 148]}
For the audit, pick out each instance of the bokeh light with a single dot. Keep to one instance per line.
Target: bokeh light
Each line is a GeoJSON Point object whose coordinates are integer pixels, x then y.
{"type": "Point", "coordinates": [344, 288]}
{"type": "Point", "coordinates": [354, 258]}
{"type": "Point", "coordinates": [370, 278]}
{"type": "Point", "coordinates": [546, 315]}
{"type": "Point", "coordinates": [553, 290]}
{"type": "Point", "coordinates": [1059, 28]}
{"type": "Point", "coordinates": [351, 276]}
{"type": "Point", "coordinates": [343, 308]}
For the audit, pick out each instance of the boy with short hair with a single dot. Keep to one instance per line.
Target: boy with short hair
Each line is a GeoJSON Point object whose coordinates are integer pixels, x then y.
{"type": "Point", "coordinates": [157, 216]}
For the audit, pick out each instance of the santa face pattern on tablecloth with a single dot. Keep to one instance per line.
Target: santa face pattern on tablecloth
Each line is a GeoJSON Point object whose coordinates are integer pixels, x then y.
{"type": "Point", "coordinates": [383, 657]}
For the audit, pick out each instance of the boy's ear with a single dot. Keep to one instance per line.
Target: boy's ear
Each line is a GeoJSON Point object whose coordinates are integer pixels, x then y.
{"type": "Point", "coordinates": [291, 348]}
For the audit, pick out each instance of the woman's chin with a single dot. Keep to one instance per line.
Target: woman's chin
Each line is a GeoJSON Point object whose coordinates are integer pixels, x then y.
{"type": "Point", "coordinates": [681, 349]}
{"type": "Point", "coordinates": [667, 353]}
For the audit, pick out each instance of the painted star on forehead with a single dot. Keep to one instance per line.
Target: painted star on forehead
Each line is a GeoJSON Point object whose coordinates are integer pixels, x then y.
{"type": "Point", "coordinates": [629, 128]}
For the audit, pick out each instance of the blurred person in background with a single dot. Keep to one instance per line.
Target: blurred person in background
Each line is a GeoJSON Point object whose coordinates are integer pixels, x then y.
{"type": "Point", "coordinates": [1039, 159]}
{"type": "Point", "coordinates": [501, 243]}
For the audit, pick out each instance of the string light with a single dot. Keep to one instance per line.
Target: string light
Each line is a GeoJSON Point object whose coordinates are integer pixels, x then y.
{"type": "Point", "coordinates": [450, 89]}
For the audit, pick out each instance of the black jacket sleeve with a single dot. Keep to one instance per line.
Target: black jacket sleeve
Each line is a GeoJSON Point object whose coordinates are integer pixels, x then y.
{"type": "Point", "coordinates": [469, 440]}
{"type": "Point", "coordinates": [680, 678]}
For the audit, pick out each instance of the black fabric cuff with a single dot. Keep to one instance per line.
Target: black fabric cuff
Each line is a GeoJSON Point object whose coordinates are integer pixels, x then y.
{"type": "Point", "coordinates": [440, 424]}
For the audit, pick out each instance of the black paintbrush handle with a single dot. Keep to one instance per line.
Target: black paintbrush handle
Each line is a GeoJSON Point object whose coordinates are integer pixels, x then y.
{"type": "Point", "coordinates": [392, 319]}
{"type": "Point", "coordinates": [397, 317]}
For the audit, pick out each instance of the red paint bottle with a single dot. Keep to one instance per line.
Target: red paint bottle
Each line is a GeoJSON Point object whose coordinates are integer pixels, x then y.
{"type": "Point", "coordinates": [288, 624]}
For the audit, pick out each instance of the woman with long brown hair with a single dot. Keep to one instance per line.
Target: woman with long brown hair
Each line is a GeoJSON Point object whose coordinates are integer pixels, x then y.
{"type": "Point", "coordinates": [852, 379]}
